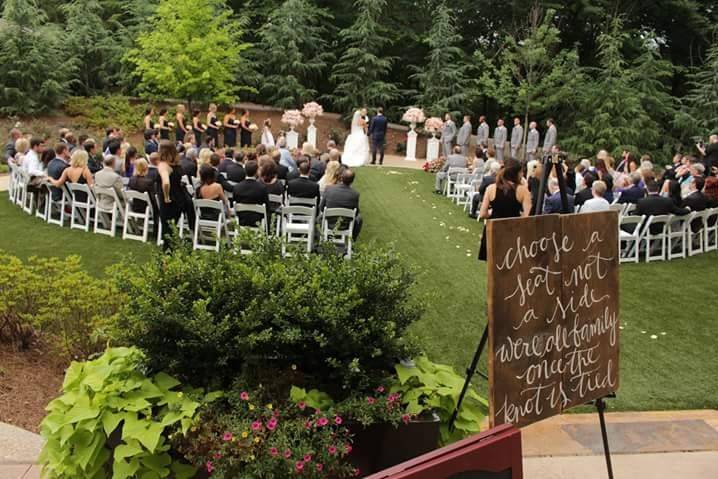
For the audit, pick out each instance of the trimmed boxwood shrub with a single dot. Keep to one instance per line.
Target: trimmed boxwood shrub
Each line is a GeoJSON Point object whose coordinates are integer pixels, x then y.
{"type": "Point", "coordinates": [317, 320]}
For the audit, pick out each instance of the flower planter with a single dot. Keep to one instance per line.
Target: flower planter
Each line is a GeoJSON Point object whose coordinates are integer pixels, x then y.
{"type": "Point", "coordinates": [380, 446]}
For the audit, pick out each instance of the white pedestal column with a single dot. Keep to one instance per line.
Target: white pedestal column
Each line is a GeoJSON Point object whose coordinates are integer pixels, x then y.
{"type": "Point", "coordinates": [312, 133]}
{"type": "Point", "coordinates": [292, 138]}
{"type": "Point", "coordinates": [432, 148]}
{"type": "Point", "coordinates": [411, 144]}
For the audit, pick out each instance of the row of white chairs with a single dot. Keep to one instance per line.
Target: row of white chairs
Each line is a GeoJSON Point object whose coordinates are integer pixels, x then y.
{"type": "Point", "coordinates": [81, 207]}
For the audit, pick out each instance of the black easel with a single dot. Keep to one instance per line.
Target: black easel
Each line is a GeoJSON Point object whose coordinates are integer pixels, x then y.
{"type": "Point", "coordinates": [470, 372]}
{"type": "Point", "coordinates": [600, 404]}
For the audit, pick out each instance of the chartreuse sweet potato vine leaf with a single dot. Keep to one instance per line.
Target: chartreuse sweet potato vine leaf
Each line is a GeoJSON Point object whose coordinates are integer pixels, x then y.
{"type": "Point", "coordinates": [113, 421]}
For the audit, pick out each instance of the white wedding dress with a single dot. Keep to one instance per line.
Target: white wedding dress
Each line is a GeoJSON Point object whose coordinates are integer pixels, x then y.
{"type": "Point", "coordinates": [356, 146]}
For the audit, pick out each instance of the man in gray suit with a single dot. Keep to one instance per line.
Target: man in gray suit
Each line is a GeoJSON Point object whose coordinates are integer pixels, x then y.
{"type": "Point", "coordinates": [482, 132]}
{"type": "Point", "coordinates": [500, 140]}
{"type": "Point", "coordinates": [342, 195]}
{"type": "Point", "coordinates": [532, 142]}
{"type": "Point", "coordinates": [550, 140]}
{"type": "Point", "coordinates": [464, 137]}
{"type": "Point", "coordinates": [457, 160]}
{"type": "Point", "coordinates": [447, 134]}
{"type": "Point", "coordinates": [517, 137]}
{"type": "Point", "coordinates": [107, 177]}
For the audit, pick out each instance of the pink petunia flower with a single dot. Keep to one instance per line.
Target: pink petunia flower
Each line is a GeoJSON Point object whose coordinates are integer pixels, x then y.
{"type": "Point", "coordinates": [357, 472]}
{"type": "Point", "coordinates": [405, 418]}
{"type": "Point", "coordinates": [308, 425]}
{"type": "Point", "coordinates": [308, 458]}
{"type": "Point", "coordinates": [287, 453]}
{"type": "Point", "coordinates": [272, 424]}
{"type": "Point", "coordinates": [217, 455]}
{"type": "Point", "coordinates": [244, 396]}
{"type": "Point", "coordinates": [370, 400]}
{"type": "Point", "coordinates": [332, 450]}
{"type": "Point", "coordinates": [301, 405]}
{"type": "Point", "coordinates": [227, 436]}
{"type": "Point", "coordinates": [256, 426]}
{"type": "Point", "coordinates": [348, 448]}
{"type": "Point", "coordinates": [299, 466]}
{"type": "Point", "coordinates": [322, 421]}
{"type": "Point", "coordinates": [380, 389]}
{"type": "Point", "coordinates": [338, 420]}
{"type": "Point", "coordinates": [209, 466]}
{"type": "Point", "coordinates": [273, 451]}
{"type": "Point", "coordinates": [320, 467]}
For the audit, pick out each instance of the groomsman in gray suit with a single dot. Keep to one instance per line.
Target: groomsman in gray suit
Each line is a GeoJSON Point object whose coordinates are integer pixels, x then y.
{"type": "Point", "coordinates": [464, 137]}
{"type": "Point", "coordinates": [550, 140]}
{"type": "Point", "coordinates": [500, 140]}
{"type": "Point", "coordinates": [447, 134]}
{"type": "Point", "coordinates": [482, 132]}
{"type": "Point", "coordinates": [517, 137]}
{"type": "Point", "coordinates": [532, 142]}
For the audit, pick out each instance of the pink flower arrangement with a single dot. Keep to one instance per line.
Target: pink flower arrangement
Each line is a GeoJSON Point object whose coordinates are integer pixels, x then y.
{"type": "Point", "coordinates": [312, 110]}
{"type": "Point", "coordinates": [308, 458]}
{"type": "Point", "coordinates": [370, 400]}
{"type": "Point", "coordinates": [414, 115]}
{"type": "Point", "coordinates": [380, 389]}
{"type": "Point", "coordinates": [274, 452]}
{"type": "Point", "coordinates": [299, 466]}
{"type": "Point", "coordinates": [434, 124]}
{"type": "Point", "coordinates": [405, 418]}
{"type": "Point", "coordinates": [209, 467]}
{"type": "Point", "coordinates": [320, 467]}
{"type": "Point", "coordinates": [287, 453]}
{"type": "Point", "coordinates": [292, 118]}
{"type": "Point", "coordinates": [301, 405]}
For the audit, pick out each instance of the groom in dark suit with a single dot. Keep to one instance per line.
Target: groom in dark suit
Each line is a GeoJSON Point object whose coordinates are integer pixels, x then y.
{"type": "Point", "coordinates": [377, 135]}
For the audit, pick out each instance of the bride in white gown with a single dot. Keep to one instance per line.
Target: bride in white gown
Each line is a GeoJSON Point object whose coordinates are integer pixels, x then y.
{"type": "Point", "coordinates": [356, 146]}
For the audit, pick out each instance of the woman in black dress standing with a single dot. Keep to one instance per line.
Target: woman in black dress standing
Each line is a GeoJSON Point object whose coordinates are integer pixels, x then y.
{"type": "Point", "coordinates": [164, 125]}
{"type": "Point", "coordinates": [230, 128]}
{"type": "Point", "coordinates": [197, 128]}
{"type": "Point", "coordinates": [245, 131]}
{"type": "Point", "coordinates": [181, 127]}
{"type": "Point", "coordinates": [509, 197]}
{"type": "Point", "coordinates": [147, 122]}
{"type": "Point", "coordinates": [174, 199]}
{"type": "Point", "coordinates": [212, 126]}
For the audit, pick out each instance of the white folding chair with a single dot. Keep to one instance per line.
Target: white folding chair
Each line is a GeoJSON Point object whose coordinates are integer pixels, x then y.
{"type": "Point", "coordinates": [297, 201]}
{"type": "Point", "coordinates": [27, 198]}
{"type": "Point", "coordinates": [259, 229]}
{"type": "Point", "coordinates": [451, 180]}
{"type": "Point", "coordinates": [136, 225]}
{"type": "Point", "coordinates": [676, 236]}
{"type": "Point", "coordinates": [55, 209]}
{"type": "Point", "coordinates": [113, 215]}
{"type": "Point", "coordinates": [12, 182]}
{"type": "Point", "coordinates": [711, 230]}
{"type": "Point", "coordinates": [629, 238]}
{"type": "Point", "coordinates": [629, 207]}
{"type": "Point", "coordinates": [654, 244]}
{"type": "Point", "coordinates": [695, 236]}
{"type": "Point", "coordinates": [617, 207]}
{"type": "Point", "coordinates": [464, 185]}
{"type": "Point", "coordinates": [338, 226]}
{"type": "Point", "coordinates": [209, 224]}
{"type": "Point", "coordinates": [298, 224]}
{"type": "Point", "coordinates": [273, 200]}
{"type": "Point", "coordinates": [42, 202]}
{"type": "Point", "coordinates": [81, 211]}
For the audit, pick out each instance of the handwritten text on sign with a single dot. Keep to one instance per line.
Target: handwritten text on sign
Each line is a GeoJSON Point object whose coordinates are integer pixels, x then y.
{"type": "Point", "coordinates": [553, 314]}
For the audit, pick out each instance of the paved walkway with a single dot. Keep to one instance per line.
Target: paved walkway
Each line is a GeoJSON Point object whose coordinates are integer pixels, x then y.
{"type": "Point", "coordinates": [651, 445]}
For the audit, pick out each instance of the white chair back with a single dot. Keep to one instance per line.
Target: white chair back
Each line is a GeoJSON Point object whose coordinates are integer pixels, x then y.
{"type": "Point", "coordinates": [298, 226]}
{"type": "Point", "coordinates": [338, 227]}
{"type": "Point", "coordinates": [136, 224]}
{"type": "Point", "coordinates": [654, 243]}
{"type": "Point", "coordinates": [629, 238]}
{"type": "Point", "coordinates": [81, 210]}
{"type": "Point", "coordinates": [208, 231]}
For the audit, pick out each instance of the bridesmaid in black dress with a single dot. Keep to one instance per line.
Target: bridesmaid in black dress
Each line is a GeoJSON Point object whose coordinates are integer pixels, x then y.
{"type": "Point", "coordinates": [173, 196]}
{"type": "Point", "coordinates": [245, 132]}
{"type": "Point", "coordinates": [212, 126]}
{"type": "Point", "coordinates": [197, 128]}
{"type": "Point", "coordinates": [147, 123]}
{"type": "Point", "coordinates": [230, 128]}
{"type": "Point", "coordinates": [164, 125]}
{"type": "Point", "coordinates": [181, 126]}
{"type": "Point", "coordinates": [508, 198]}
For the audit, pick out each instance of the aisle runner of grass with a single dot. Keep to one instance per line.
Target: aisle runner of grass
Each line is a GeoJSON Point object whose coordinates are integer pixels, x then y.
{"type": "Point", "coordinates": [668, 309]}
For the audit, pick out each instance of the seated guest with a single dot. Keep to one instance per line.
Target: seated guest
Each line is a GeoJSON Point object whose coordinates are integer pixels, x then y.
{"type": "Point", "coordinates": [654, 205]}
{"type": "Point", "coordinates": [492, 169]}
{"type": "Point", "coordinates": [31, 163]}
{"type": "Point", "coordinates": [282, 171]}
{"type": "Point", "coordinates": [344, 196]}
{"type": "Point", "coordinates": [696, 200]}
{"type": "Point", "coordinates": [204, 156]}
{"type": "Point", "coordinates": [250, 191]}
{"type": "Point", "coordinates": [672, 189]}
{"type": "Point", "coordinates": [210, 189]}
{"type": "Point", "coordinates": [635, 192]}
{"type": "Point", "coordinates": [214, 161]}
{"type": "Point", "coordinates": [111, 134]}
{"type": "Point", "coordinates": [188, 163]}
{"type": "Point", "coordinates": [94, 163]}
{"type": "Point", "coordinates": [107, 177]}
{"type": "Point", "coordinates": [226, 160]}
{"type": "Point", "coordinates": [131, 155]}
{"type": "Point", "coordinates": [586, 193]}
{"type": "Point", "coordinates": [318, 163]}
{"type": "Point", "coordinates": [57, 166]}
{"type": "Point", "coordinates": [151, 143]}
{"type": "Point", "coordinates": [152, 170]}
{"type": "Point", "coordinates": [286, 158]}
{"type": "Point", "coordinates": [77, 172]}
{"type": "Point", "coordinates": [114, 150]}
{"type": "Point", "coordinates": [604, 171]}
{"type": "Point", "coordinates": [268, 176]}
{"type": "Point", "coordinates": [235, 169]}
{"type": "Point", "coordinates": [598, 202]}
{"type": "Point", "coordinates": [10, 151]}
{"type": "Point", "coordinates": [710, 190]}
{"type": "Point", "coordinates": [303, 187]}
{"type": "Point", "coordinates": [332, 176]}
{"type": "Point", "coordinates": [142, 183]}
{"type": "Point", "coordinates": [552, 204]}
{"type": "Point", "coordinates": [455, 160]}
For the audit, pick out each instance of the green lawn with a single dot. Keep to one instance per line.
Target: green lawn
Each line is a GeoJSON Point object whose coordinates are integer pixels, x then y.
{"type": "Point", "coordinates": [675, 371]}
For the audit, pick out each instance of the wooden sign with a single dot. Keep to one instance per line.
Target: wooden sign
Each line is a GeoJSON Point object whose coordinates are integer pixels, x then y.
{"type": "Point", "coordinates": [553, 314]}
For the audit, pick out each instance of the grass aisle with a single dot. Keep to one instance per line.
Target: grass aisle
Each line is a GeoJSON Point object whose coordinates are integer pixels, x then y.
{"type": "Point", "coordinates": [673, 301]}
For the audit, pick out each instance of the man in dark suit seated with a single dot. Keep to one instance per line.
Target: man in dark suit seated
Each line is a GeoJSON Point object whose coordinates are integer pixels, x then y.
{"type": "Point", "coordinates": [655, 205]}
{"type": "Point", "coordinates": [252, 192]}
{"type": "Point", "coordinates": [188, 163]}
{"type": "Point", "coordinates": [151, 144]}
{"type": "Point", "coordinates": [228, 158]}
{"type": "Point", "coordinates": [696, 200]}
{"type": "Point", "coordinates": [214, 160]}
{"type": "Point", "coordinates": [552, 204]}
{"type": "Point", "coordinates": [635, 192]}
{"type": "Point", "coordinates": [303, 187]}
{"type": "Point", "coordinates": [56, 166]}
{"type": "Point", "coordinates": [282, 171]}
{"type": "Point", "coordinates": [343, 195]}
{"type": "Point", "coordinates": [586, 193]}
{"type": "Point", "coordinates": [235, 169]}
{"type": "Point", "coordinates": [318, 167]}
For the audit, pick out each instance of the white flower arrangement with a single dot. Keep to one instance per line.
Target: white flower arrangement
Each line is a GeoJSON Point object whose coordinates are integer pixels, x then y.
{"type": "Point", "coordinates": [312, 110]}
{"type": "Point", "coordinates": [414, 115]}
{"type": "Point", "coordinates": [434, 124]}
{"type": "Point", "coordinates": [253, 127]}
{"type": "Point", "coordinates": [292, 118]}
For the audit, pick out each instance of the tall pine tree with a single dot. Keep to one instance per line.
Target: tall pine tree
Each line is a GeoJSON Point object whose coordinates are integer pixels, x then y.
{"type": "Point", "coordinates": [191, 50]}
{"type": "Point", "coordinates": [360, 75]}
{"type": "Point", "coordinates": [293, 52]}
{"type": "Point", "coordinates": [36, 70]}
{"type": "Point", "coordinates": [702, 99]}
{"type": "Point", "coordinates": [443, 79]}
